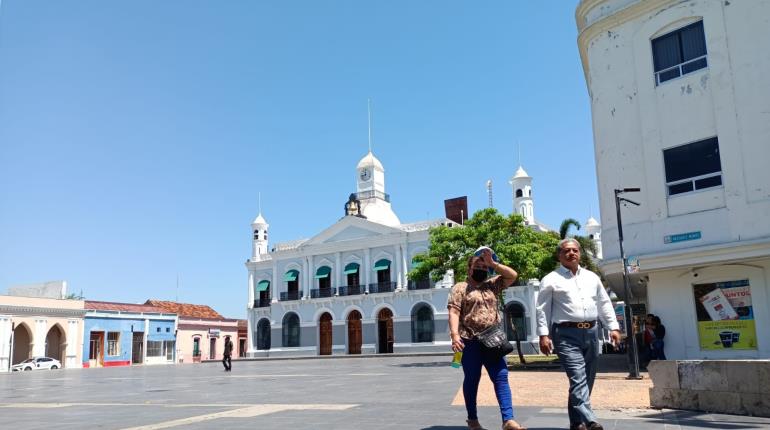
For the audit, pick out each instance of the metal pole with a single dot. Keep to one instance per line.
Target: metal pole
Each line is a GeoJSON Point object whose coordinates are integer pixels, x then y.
{"type": "Point", "coordinates": [634, 371]}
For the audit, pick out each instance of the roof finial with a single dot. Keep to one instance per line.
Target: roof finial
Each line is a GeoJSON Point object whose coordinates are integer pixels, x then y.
{"type": "Point", "coordinates": [369, 111]}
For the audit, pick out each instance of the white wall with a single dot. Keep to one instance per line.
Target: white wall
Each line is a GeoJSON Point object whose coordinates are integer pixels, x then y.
{"type": "Point", "coordinates": [634, 120]}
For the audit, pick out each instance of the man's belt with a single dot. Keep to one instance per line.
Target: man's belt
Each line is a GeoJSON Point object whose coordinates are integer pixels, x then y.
{"type": "Point", "coordinates": [582, 324]}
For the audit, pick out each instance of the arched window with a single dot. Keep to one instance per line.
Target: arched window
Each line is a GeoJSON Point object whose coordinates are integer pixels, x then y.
{"type": "Point", "coordinates": [514, 311]}
{"type": "Point", "coordinates": [519, 193]}
{"type": "Point", "coordinates": [263, 334]}
{"type": "Point", "coordinates": [422, 324]}
{"type": "Point", "coordinates": [292, 284]}
{"type": "Point", "coordinates": [290, 330]}
{"type": "Point", "coordinates": [382, 267]}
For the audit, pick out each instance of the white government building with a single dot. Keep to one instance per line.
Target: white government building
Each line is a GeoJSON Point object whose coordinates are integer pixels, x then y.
{"type": "Point", "coordinates": [680, 103]}
{"type": "Point", "coordinates": [346, 291]}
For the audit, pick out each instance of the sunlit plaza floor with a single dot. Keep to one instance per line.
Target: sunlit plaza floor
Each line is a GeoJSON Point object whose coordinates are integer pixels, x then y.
{"type": "Point", "coordinates": [346, 393]}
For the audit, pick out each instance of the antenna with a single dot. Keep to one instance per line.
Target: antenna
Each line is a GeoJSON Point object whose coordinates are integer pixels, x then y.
{"type": "Point", "coordinates": [369, 111]}
{"type": "Point", "coordinates": [489, 191]}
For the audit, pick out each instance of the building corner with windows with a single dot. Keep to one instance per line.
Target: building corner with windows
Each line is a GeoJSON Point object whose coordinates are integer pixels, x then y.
{"type": "Point", "coordinates": [680, 106]}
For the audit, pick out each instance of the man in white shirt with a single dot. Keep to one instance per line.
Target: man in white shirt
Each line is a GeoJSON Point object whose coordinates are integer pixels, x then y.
{"type": "Point", "coordinates": [570, 302]}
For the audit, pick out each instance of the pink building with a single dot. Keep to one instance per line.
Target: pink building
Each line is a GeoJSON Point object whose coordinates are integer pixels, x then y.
{"type": "Point", "coordinates": [201, 331]}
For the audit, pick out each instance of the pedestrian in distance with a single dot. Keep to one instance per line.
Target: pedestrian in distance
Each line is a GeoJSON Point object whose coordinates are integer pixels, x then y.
{"type": "Point", "coordinates": [227, 354]}
{"type": "Point", "coordinates": [473, 307]}
{"type": "Point", "coordinates": [570, 302]}
{"type": "Point", "coordinates": [657, 343]}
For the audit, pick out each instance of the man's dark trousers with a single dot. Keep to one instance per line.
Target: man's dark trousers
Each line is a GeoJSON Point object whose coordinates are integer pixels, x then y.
{"type": "Point", "coordinates": [578, 350]}
{"type": "Point", "coordinates": [227, 362]}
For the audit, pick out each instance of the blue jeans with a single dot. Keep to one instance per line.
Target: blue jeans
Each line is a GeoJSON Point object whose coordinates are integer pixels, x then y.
{"type": "Point", "coordinates": [578, 351]}
{"type": "Point", "coordinates": [498, 373]}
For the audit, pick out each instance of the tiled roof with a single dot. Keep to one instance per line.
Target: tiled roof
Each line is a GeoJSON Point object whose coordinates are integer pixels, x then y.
{"type": "Point", "coordinates": [186, 309]}
{"type": "Point", "coordinates": [122, 307]}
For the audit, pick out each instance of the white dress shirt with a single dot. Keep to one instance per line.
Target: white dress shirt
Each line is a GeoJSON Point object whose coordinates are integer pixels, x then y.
{"type": "Point", "coordinates": [565, 297]}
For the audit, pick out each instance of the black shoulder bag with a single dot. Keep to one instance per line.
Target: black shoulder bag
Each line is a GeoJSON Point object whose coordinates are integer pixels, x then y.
{"type": "Point", "coordinates": [494, 343]}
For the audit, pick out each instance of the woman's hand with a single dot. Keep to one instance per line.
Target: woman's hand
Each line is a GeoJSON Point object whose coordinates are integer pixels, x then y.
{"type": "Point", "coordinates": [457, 342]}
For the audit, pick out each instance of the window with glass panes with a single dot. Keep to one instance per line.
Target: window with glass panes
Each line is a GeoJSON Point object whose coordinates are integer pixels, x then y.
{"type": "Point", "coordinates": [692, 167]}
{"type": "Point", "coordinates": [680, 52]}
{"type": "Point", "coordinates": [113, 343]}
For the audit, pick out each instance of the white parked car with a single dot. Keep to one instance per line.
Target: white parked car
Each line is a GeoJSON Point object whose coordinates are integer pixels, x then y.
{"type": "Point", "coordinates": [37, 363]}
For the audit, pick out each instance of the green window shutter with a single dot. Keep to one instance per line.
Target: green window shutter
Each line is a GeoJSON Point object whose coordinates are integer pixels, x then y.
{"type": "Point", "coordinates": [383, 264]}
{"type": "Point", "coordinates": [263, 285]}
{"type": "Point", "coordinates": [323, 272]}
{"type": "Point", "coordinates": [291, 275]}
{"type": "Point", "coordinates": [351, 268]}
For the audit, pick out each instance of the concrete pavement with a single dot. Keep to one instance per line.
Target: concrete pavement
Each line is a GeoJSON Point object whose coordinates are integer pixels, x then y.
{"type": "Point", "coordinates": [345, 394]}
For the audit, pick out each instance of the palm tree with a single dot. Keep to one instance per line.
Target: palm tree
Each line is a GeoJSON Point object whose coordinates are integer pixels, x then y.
{"type": "Point", "coordinates": [587, 246]}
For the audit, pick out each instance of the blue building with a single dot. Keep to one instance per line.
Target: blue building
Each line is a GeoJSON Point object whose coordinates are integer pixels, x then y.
{"type": "Point", "coordinates": [122, 334]}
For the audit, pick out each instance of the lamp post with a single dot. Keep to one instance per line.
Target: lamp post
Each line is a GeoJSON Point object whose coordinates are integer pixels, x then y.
{"type": "Point", "coordinates": [634, 362]}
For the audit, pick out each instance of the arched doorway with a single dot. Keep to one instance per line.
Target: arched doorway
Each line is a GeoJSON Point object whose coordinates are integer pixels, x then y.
{"type": "Point", "coordinates": [422, 324]}
{"type": "Point", "coordinates": [385, 331]}
{"type": "Point", "coordinates": [514, 311]}
{"type": "Point", "coordinates": [263, 334]}
{"type": "Point", "coordinates": [354, 332]}
{"type": "Point", "coordinates": [325, 334]}
{"type": "Point", "coordinates": [55, 342]}
{"type": "Point", "coordinates": [22, 343]}
{"type": "Point", "coordinates": [290, 330]}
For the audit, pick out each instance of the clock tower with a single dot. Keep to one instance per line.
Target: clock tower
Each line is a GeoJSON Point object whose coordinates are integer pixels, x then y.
{"type": "Point", "coordinates": [370, 191]}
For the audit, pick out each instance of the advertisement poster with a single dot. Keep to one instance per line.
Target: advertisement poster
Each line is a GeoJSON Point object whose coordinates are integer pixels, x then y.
{"type": "Point", "coordinates": [620, 315]}
{"type": "Point", "coordinates": [725, 315]}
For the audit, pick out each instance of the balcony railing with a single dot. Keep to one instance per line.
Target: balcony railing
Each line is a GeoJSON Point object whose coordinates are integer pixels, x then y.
{"type": "Point", "coordinates": [373, 194]}
{"type": "Point", "coordinates": [291, 295]}
{"type": "Point", "coordinates": [321, 292]}
{"type": "Point", "coordinates": [423, 284]}
{"type": "Point", "coordinates": [382, 287]}
{"type": "Point", "coordinates": [262, 303]}
{"type": "Point", "coordinates": [351, 290]}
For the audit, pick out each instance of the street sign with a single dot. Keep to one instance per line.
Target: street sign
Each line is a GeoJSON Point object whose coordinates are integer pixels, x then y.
{"type": "Point", "coordinates": [681, 237]}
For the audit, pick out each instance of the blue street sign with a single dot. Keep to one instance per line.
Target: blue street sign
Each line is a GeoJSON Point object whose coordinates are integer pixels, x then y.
{"type": "Point", "coordinates": [681, 237]}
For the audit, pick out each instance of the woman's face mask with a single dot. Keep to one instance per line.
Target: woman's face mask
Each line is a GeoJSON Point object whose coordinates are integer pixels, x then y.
{"type": "Point", "coordinates": [479, 275]}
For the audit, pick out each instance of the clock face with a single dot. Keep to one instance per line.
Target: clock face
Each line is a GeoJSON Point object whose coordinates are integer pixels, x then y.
{"type": "Point", "coordinates": [365, 175]}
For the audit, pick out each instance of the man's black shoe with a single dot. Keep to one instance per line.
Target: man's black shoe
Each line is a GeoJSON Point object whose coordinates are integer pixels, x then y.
{"type": "Point", "coordinates": [595, 426]}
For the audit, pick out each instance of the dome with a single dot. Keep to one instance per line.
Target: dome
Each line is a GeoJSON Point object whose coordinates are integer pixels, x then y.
{"type": "Point", "coordinates": [592, 222]}
{"type": "Point", "coordinates": [370, 160]}
{"type": "Point", "coordinates": [259, 220]}
{"type": "Point", "coordinates": [520, 173]}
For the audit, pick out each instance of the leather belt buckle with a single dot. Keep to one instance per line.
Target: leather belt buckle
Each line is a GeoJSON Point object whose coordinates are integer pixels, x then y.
{"type": "Point", "coordinates": [583, 325]}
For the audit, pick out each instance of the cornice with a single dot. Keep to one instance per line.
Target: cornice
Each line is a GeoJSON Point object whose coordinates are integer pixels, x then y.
{"type": "Point", "coordinates": [38, 311]}
{"type": "Point", "coordinates": [588, 32]}
{"type": "Point", "coordinates": [703, 255]}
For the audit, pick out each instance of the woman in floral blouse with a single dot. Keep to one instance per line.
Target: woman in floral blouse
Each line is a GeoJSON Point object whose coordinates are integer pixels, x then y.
{"type": "Point", "coordinates": [473, 307]}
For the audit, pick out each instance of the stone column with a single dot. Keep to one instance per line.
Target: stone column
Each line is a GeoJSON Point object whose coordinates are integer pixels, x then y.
{"type": "Point", "coordinates": [5, 345]}
{"type": "Point", "coordinates": [367, 268]}
{"type": "Point", "coordinates": [274, 284]}
{"type": "Point", "coordinates": [38, 342]}
{"type": "Point", "coordinates": [303, 280]}
{"type": "Point", "coordinates": [251, 290]}
{"type": "Point", "coordinates": [404, 265]}
{"type": "Point", "coordinates": [338, 271]}
{"type": "Point", "coordinates": [250, 347]}
{"type": "Point", "coordinates": [398, 268]}
{"type": "Point", "coordinates": [310, 273]}
{"type": "Point", "coordinates": [71, 351]}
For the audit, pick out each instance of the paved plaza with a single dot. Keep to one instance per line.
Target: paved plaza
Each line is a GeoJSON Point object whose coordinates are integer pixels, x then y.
{"type": "Point", "coordinates": [345, 393]}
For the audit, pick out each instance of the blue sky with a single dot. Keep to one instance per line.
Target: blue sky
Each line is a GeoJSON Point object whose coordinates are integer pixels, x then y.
{"type": "Point", "coordinates": [136, 136]}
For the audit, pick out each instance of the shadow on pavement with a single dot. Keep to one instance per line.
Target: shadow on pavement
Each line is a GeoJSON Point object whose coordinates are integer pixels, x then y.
{"type": "Point", "coordinates": [689, 419]}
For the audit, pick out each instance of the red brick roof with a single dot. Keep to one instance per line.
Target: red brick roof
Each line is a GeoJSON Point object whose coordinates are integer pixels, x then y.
{"type": "Point", "coordinates": [123, 307]}
{"type": "Point", "coordinates": [186, 309]}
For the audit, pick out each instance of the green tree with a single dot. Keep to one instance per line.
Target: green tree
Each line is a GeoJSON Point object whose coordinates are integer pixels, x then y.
{"type": "Point", "coordinates": [587, 246]}
{"type": "Point", "coordinates": [529, 252]}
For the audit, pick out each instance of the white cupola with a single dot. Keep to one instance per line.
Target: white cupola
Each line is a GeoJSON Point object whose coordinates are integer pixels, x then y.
{"type": "Point", "coordinates": [522, 195]}
{"type": "Point", "coordinates": [259, 241]}
{"type": "Point", "coordinates": [594, 231]}
{"type": "Point", "coordinates": [370, 191]}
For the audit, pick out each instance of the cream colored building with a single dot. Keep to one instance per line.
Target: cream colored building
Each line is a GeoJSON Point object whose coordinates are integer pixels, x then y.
{"type": "Point", "coordinates": [35, 327]}
{"type": "Point", "coordinates": [680, 103]}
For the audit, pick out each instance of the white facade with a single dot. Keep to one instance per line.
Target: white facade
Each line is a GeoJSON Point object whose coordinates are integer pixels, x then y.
{"type": "Point", "coordinates": [650, 128]}
{"type": "Point", "coordinates": [346, 291]}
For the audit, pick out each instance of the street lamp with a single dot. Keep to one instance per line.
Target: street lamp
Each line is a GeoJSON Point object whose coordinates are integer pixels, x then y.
{"type": "Point", "coordinates": [634, 371]}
